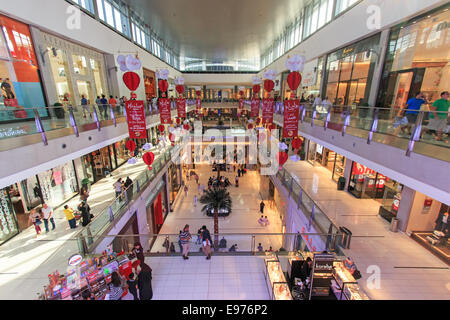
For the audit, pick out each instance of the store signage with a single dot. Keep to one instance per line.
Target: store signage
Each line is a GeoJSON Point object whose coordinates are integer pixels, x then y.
{"type": "Point", "coordinates": [75, 260]}
{"type": "Point", "coordinates": [291, 118]}
{"type": "Point", "coordinates": [11, 102]}
{"type": "Point", "coordinates": [267, 111]}
{"type": "Point", "coordinates": [255, 108]}
{"type": "Point", "coordinates": [136, 119]}
{"type": "Point", "coordinates": [181, 107]}
{"type": "Point", "coordinates": [359, 169]}
{"type": "Point", "coordinates": [164, 111]}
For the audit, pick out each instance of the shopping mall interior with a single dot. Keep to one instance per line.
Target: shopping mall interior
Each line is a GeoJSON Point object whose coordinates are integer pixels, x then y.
{"type": "Point", "coordinates": [304, 143]}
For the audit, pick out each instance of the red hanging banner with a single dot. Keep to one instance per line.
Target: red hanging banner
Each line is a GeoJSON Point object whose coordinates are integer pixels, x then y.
{"type": "Point", "coordinates": [267, 111]}
{"type": "Point", "coordinates": [181, 107]}
{"type": "Point", "coordinates": [164, 111]}
{"type": "Point", "coordinates": [291, 118]}
{"type": "Point", "coordinates": [199, 107]}
{"type": "Point", "coordinates": [255, 108]}
{"type": "Point", "coordinates": [136, 119]}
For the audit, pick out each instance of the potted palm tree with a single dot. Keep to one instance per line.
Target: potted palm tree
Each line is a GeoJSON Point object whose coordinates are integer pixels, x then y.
{"type": "Point", "coordinates": [216, 200]}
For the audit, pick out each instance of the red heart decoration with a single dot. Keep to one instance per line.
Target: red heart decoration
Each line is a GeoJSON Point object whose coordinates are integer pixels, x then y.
{"type": "Point", "coordinates": [241, 93]}
{"type": "Point", "coordinates": [161, 128]}
{"type": "Point", "coordinates": [256, 89]}
{"type": "Point", "coordinates": [268, 85]}
{"type": "Point", "coordinates": [148, 158]}
{"type": "Point", "coordinates": [131, 80]}
{"type": "Point", "coordinates": [294, 79]}
{"type": "Point", "coordinates": [282, 157]}
{"type": "Point", "coordinates": [163, 85]}
{"type": "Point", "coordinates": [297, 143]}
{"type": "Point", "coordinates": [199, 93]}
{"type": "Point", "coordinates": [130, 145]}
{"type": "Point", "coordinates": [186, 127]}
{"type": "Point", "coordinates": [250, 126]}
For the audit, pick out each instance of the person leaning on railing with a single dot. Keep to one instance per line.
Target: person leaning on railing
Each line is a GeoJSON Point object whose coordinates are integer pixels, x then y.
{"type": "Point", "coordinates": [411, 110]}
{"type": "Point", "coordinates": [439, 115]}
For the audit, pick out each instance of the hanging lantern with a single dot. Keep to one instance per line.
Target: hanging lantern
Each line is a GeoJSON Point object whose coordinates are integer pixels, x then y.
{"type": "Point", "coordinates": [180, 89]}
{"type": "Point", "coordinates": [198, 93]}
{"type": "Point", "coordinates": [282, 157]}
{"type": "Point", "coordinates": [241, 93]}
{"type": "Point", "coordinates": [161, 128]}
{"type": "Point", "coordinates": [130, 145]}
{"type": "Point", "coordinates": [294, 79]}
{"type": "Point", "coordinates": [250, 126]}
{"type": "Point", "coordinates": [163, 85]}
{"type": "Point", "coordinates": [131, 80]}
{"type": "Point", "coordinates": [297, 143]}
{"type": "Point", "coordinates": [269, 85]}
{"type": "Point", "coordinates": [178, 121]}
{"type": "Point", "coordinates": [256, 88]}
{"type": "Point", "coordinates": [186, 127]}
{"type": "Point", "coordinates": [148, 158]}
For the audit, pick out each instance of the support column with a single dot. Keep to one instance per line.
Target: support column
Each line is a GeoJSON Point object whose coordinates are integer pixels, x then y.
{"type": "Point", "coordinates": [404, 210]}
{"type": "Point", "coordinates": [378, 72]}
{"type": "Point", "coordinates": [347, 172]}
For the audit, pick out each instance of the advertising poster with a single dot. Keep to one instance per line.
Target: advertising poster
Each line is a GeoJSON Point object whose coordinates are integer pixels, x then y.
{"type": "Point", "coordinates": [181, 107]}
{"type": "Point", "coordinates": [267, 111]}
{"type": "Point", "coordinates": [255, 108]}
{"type": "Point", "coordinates": [164, 111]}
{"type": "Point", "coordinates": [291, 118]}
{"type": "Point", "coordinates": [136, 119]}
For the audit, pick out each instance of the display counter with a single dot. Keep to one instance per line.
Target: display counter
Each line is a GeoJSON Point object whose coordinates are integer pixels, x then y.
{"type": "Point", "coordinates": [344, 285]}
{"type": "Point", "coordinates": [275, 280]}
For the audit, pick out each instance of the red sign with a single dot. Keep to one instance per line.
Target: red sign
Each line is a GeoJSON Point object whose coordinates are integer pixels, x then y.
{"type": "Point", "coordinates": [359, 169]}
{"type": "Point", "coordinates": [267, 111]}
{"type": "Point", "coordinates": [11, 103]}
{"type": "Point", "coordinates": [164, 111]}
{"type": "Point", "coordinates": [291, 118]}
{"type": "Point", "coordinates": [199, 107]}
{"type": "Point", "coordinates": [255, 108]}
{"type": "Point", "coordinates": [136, 119]}
{"type": "Point", "coordinates": [181, 107]}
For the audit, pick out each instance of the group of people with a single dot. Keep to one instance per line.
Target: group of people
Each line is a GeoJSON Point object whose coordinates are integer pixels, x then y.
{"type": "Point", "coordinates": [123, 187]}
{"type": "Point", "coordinates": [222, 182]}
{"type": "Point", "coordinates": [37, 215]}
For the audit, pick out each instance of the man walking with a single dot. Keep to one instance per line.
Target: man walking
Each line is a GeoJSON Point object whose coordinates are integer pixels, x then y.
{"type": "Point", "coordinates": [85, 107]}
{"type": "Point", "coordinates": [47, 213]}
{"type": "Point", "coordinates": [206, 238]}
{"type": "Point", "coordinates": [261, 207]}
{"type": "Point", "coordinates": [185, 238]}
{"type": "Point", "coordinates": [438, 121]}
{"type": "Point", "coordinates": [104, 103]}
{"type": "Point", "coordinates": [118, 188]}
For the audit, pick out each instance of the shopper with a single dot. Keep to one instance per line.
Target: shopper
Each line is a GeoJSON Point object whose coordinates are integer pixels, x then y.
{"type": "Point", "coordinates": [128, 186]}
{"type": "Point", "coordinates": [195, 201]}
{"type": "Point", "coordinates": [104, 103]}
{"type": "Point", "coordinates": [132, 286]}
{"type": "Point", "coordinates": [84, 194]}
{"type": "Point", "coordinates": [199, 237]}
{"type": "Point", "coordinates": [70, 217]}
{"type": "Point", "coordinates": [223, 243]}
{"type": "Point", "coordinates": [35, 219]}
{"type": "Point", "coordinates": [186, 189]}
{"type": "Point", "coordinates": [112, 102]}
{"type": "Point", "coordinates": [85, 107]}
{"type": "Point", "coordinates": [115, 288]}
{"type": "Point", "coordinates": [412, 109]}
{"type": "Point", "coordinates": [85, 210]}
{"type": "Point", "coordinates": [145, 282]}
{"type": "Point", "coordinates": [98, 102]}
{"type": "Point", "coordinates": [206, 241]}
{"type": "Point", "coordinates": [138, 251]}
{"type": "Point", "coordinates": [266, 221]}
{"type": "Point", "coordinates": [47, 213]}
{"type": "Point", "coordinates": [438, 121]}
{"type": "Point", "coordinates": [172, 248]}
{"type": "Point", "coordinates": [118, 188]}
{"type": "Point", "coordinates": [185, 238]}
{"type": "Point", "coordinates": [237, 181]}
{"type": "Point", "coordinates": [260, 248]}
{"type": "Point", "coordinates": [305, 269]}
{"type": "Point", "coordinates": [261, 221]}
{"type": "Point", "coordinates": [261, 207]}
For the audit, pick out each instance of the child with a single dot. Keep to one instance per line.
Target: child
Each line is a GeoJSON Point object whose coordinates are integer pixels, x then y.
{"type": "Point", "coordinates": [132, 286]}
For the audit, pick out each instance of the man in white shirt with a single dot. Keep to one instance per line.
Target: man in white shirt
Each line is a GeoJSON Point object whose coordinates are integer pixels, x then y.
{"type": "Point", "coordinates": [118, 188]}
{"type": "Point", "coordinates": [47, 213]}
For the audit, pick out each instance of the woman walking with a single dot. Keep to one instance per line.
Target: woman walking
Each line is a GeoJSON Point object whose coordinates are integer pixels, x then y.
{"type": "Point", "coordinates": [145, 282]}
{"type": "Point", "coordinates": [185, 238]}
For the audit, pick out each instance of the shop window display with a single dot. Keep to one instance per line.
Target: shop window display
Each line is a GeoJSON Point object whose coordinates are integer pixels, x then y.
{"type": "Point", "coordinates": [417, 60]}
{"type": "Point", "coordinates": [58, 62]}
{"type": "Point", "coordinates": [8, 225]}
{"type": "Point", "coordinates": [58, 184]}
{"type": "Point", "coordinates": [20, 84]}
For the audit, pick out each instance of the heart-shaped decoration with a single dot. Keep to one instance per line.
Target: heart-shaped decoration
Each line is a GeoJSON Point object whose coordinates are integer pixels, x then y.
{"type": "Point", "coordinates": [269, 85]}
{"type": "Point", "coordinates": [130, 145]}
{"type": "Point", "coordinates": [163, 85]}
{"type": "Point", "coordinates": [294, 79]}
{"type": "Point", "coordinates": [148, 158]}
{"type": "Point", "coordinates": [161, 128]}
{"type": "Point", "coordinates": [131, 80]}
{"type": "Point", "coordinates": [297, 143]}
{"type": "Point", "coordinates": [282, 157]}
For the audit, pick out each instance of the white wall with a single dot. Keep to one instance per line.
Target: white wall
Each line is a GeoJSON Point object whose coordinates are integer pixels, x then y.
{"type": "Point", "coordinates": [51, 16]}
{"type": "Point", "coordinates": [352, 26]}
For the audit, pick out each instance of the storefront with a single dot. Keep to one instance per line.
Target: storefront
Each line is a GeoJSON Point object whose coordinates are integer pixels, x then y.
{"type": "Point", "coordinates": [8, 222]}
{"type": "Point", "coordinates": [157, 210]}
{"type": "Point", "coordinates": [349, 73]}
{"type": "Point", "coordinates": [19, 74]}
{"type": "Point", "coordinates": [174, 175]}
{"type": "Point", "coordinates": [312, 78]}
{"type": "Point", "coordinates": [417, 60]}
{"type": "Point", "coordinates": [150, 84]}
{"type": "Point", "coordinates": [366, 183]}
{"type": "Point", "coordinates": [328, 159]}
{"type": "Point", "coordinates": [76, 71]}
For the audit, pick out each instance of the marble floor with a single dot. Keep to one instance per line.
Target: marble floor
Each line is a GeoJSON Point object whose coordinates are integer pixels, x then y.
{"type": "Point", "coordinates": [406, 269]}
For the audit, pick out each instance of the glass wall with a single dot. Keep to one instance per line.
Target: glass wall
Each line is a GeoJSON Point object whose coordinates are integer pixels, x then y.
{"type": "Point", "coordinates": [19, 77]}
{"type": "Point", "coordinates": [349, 73]}
{"type": "Point", "coordinates": [417, 60]}
{"type": "Point", "coordinates": [342, 5]}
{"type": "Point", "coordinates": [8, 224]}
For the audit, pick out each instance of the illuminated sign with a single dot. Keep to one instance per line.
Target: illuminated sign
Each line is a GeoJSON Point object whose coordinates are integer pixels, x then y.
{"type": "Point", "coordinates": [75, 260]}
